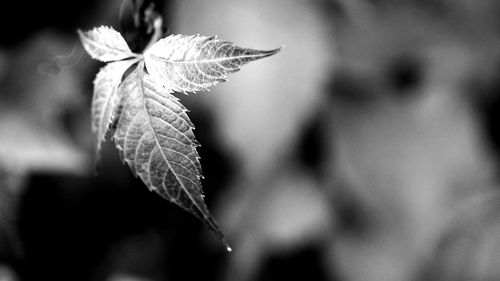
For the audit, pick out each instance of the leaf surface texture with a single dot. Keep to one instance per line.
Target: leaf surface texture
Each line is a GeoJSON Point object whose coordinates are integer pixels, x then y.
{"type": "Point", "coordinates": [193, 63]}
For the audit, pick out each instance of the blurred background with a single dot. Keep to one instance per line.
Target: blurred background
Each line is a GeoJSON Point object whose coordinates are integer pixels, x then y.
{"type": "Point", "coordinates": [367, 149]}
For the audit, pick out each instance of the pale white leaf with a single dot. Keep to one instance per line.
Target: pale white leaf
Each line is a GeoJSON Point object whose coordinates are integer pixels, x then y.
{"type": "Point", "coordinates": [155, 138]}
{"type": "Point", "coordinates": [105, 44]}
{"type": "Point", "coordinates": [105, 98]}
{"type": "Point", "coordinates": [193, 63]}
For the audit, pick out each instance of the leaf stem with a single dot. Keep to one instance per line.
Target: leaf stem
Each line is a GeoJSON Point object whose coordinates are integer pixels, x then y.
{"type": "Point", "coordinates": [158, 32]}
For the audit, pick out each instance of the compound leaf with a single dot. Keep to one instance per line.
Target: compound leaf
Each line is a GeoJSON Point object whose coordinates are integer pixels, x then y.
{"type": "Point", "coordinates": [154, 135]}
{"type": "Point", "coordinates": [193, 63]}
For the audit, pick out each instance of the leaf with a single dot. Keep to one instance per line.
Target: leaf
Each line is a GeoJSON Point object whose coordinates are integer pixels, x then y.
{"type": "Point", "coordinates": [193, 63]}
{"type": "Point", "coordinates": [153, 132]}
{"type": "Point", "coordinates": [105, 44]}
{"type": "Point", "coordinates": [156, 140]}
{"type": "Point", "coordinates": [105, 98]}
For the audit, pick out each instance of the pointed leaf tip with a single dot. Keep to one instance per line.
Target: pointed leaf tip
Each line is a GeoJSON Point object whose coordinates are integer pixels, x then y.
{"type": "Point", "coordinates": [272, 52]}
{"type": "Point", "coordinates": [212, 225]}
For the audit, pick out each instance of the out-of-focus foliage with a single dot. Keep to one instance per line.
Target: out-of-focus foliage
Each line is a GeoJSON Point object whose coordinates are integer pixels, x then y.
{"type": "Point", "coordinates": [38, 87]}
